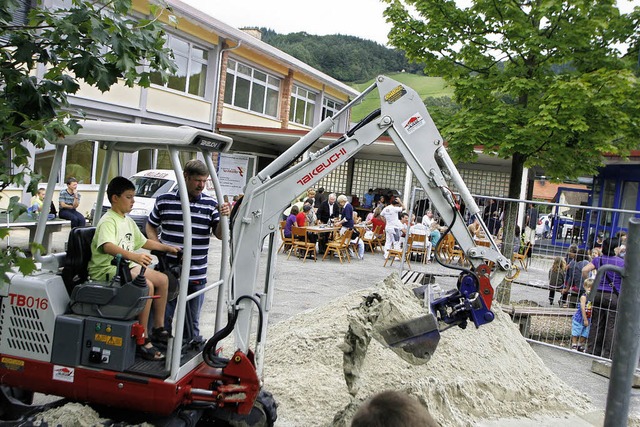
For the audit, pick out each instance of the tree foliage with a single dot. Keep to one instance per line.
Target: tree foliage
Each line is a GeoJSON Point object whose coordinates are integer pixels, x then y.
{"type": "Point", "coordinates": [44, 59]}
{"type": "Point", "coordinates": [94, 42]}
{"type": "Point", "coordinates": [346, 58]}
{"type": "Point", "coordinates": [545, 83]}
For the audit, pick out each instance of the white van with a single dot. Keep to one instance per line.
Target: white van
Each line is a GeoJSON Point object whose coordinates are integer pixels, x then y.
{"type": "Point", "coordinates": [149, 185]}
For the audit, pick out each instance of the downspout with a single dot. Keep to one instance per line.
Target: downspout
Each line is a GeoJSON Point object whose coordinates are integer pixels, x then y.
{"type": "Point", "coordinates": [218, 79]}
{"type": "Point", "coordinates": [223, 290]}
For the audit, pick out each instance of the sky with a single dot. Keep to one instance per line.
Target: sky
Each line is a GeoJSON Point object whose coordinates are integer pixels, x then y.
{"type": "Point", "coordinates": [360, 18]}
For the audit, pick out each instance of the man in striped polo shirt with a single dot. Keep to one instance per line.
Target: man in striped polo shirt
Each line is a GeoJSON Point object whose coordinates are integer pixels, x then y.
{"type": "Point", "coordinates": [205, 220]}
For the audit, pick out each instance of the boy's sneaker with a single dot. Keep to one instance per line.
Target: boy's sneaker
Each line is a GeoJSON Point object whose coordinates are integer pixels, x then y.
{"type": "Point", "coordinates": [581, 348]}
{"type": "Point", "coordinates": [574, 347]}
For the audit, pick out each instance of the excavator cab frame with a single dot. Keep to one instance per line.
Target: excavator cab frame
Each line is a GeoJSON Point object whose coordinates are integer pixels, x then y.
{"type": "Point", "coordinates": [45, 347]}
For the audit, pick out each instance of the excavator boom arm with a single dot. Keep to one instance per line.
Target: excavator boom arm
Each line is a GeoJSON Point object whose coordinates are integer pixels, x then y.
{"type": "Point", "coordinates": [405, 118]}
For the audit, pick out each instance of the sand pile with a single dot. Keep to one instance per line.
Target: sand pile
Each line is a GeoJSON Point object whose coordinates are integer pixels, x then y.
{"type": "Point", "coordinates": [72, 415]}
{"type": "Point", "coordinates": [475, 374]}
{"type": "Point", "coordinates": [486, 373]}
{"type": "Point", "coordinates": [75, 415]}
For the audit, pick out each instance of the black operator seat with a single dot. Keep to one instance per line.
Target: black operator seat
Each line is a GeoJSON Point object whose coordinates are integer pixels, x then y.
{"type": "Point", "coordinates": [122, 298]}
{"type": "Point", "coordinates": [76, 262]}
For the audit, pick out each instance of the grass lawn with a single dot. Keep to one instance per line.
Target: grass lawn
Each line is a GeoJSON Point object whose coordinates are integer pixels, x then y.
{"type": "Point", "coordinates": [426, 86]}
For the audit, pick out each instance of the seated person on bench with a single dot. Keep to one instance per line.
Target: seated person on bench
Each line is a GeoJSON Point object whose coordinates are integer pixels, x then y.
{"type": "Point", "coordinates": [119, 234]}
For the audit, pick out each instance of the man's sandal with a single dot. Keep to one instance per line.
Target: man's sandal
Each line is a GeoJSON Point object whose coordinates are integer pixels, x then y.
{"type": "Point", "coordinates": [149, 353]}
{"type": "Point", "coordinates": [160, 335]}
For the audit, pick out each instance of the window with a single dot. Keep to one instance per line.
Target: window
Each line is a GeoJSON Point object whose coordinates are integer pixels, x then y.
{"type": "Point", "coordinates": [79, 162]}
{"type": "Point", "coordinates": [18, 17]}
{"type": "Point", "coordinates": [629, 201]}
{"type": "Point", "coordinates": [485, 182]}
{"type": "Point", "coordinates": [159, 159]}
{"type": "Point", "coordinates": [377, 174]}
{"type": "Point", "coordinates": [251, 89]}
{"type": "Point", "coordinates": [164, 159]}
{"type": "Point", "coordinates": [114, 165]}
{"type": "Point", "coordinates": [145, 160]}
{"type": "Point", "coordinates": [329, 109]}
{"type": "Point", "coordinates": [151, 187]}
{"type": "Point", "coordinates": [43, 161]}
{"type": "Point", "coordinates": [303, 105]}
{"type": "Point", "coordinates": [192, 61]}
{"type": "Point", "coordinates": [608, 199]}
{"type": "Point", "coordinates": [336, 181]}
{"type": "Point", "coordinates": [84, 162]}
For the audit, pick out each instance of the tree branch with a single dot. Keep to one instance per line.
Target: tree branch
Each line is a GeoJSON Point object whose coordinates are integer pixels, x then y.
{"type": "Point", "coordinates": [25, 27]}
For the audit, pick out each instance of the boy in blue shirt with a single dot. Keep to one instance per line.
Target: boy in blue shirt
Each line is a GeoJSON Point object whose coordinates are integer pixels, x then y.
{"type": "Point", "coordinates": [580, 323]}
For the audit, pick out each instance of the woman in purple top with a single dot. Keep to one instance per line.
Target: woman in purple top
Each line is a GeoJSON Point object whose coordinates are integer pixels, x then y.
{"type": "Point", "coordinates": [291, 221]}
{"type": "Point", "coordinates": [605, 303]}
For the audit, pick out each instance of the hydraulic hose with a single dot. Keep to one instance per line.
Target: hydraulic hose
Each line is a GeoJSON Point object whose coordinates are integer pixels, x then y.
{"type": "Point", "coordinates": [209, 350]}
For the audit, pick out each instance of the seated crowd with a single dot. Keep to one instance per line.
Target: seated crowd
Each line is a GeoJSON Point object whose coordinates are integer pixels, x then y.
{"type": "Point", "coordinates": [386, 221]}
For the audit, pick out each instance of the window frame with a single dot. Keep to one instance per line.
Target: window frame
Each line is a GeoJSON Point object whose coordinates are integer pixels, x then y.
{"type": "Point", "coordinates": [268, 86]}
{"type": "Point", "coordinates": [338, 105]}
{"type": "Point", "coordinates": [191, 59]}
{"type": "Point", "coordinates": [303, 99]}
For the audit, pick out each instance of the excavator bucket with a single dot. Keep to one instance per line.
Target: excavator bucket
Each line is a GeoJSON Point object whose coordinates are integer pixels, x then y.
{"type": "Point", "coordinates": [419, 336]}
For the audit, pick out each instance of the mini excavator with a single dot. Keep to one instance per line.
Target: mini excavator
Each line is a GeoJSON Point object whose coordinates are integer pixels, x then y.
{"type": "Point", "coordinates": [63, 334]}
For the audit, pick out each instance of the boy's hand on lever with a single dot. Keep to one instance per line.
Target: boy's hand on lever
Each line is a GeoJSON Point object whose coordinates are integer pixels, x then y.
{"type": "Point", "coordinates": [172, 249]}
{"type": "Point", "coordinates": [142, 259]}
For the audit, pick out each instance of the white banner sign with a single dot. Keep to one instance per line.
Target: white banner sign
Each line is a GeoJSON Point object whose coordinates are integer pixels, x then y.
{"type": "Point", "coordinates": [232, 173]}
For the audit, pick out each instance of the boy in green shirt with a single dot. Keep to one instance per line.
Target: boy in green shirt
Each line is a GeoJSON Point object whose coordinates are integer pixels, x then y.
{"type": "Point", "coordinates": [119, 234]}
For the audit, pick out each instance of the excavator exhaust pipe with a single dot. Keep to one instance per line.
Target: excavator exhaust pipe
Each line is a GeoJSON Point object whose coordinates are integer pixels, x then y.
{"type": "Point", "coordinates": [419, 336]}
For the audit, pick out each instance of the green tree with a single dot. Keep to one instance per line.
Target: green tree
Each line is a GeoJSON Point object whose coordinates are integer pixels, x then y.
{"type": "Point", "coordinates": [545, 83]}
{"type": "Point", "coordinates": [541, 82]}
{"type": "Point", "coordinates": [95, 42]}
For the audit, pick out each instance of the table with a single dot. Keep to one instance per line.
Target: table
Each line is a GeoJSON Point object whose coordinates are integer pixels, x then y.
{"type": "Point", "coordinates": [319, 229]}
{"type": "Point", "coordinates": [52, 226]}
{"type": "Point", "coordinates": [482, 242]}
{"type": "Point", "coordinates": [487, 242]}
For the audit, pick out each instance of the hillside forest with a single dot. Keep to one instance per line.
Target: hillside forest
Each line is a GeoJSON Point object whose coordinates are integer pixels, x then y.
{"type": "Point", "coordinates": [349, 59]}
{"type": "Point", "coordinates": [356, 61]}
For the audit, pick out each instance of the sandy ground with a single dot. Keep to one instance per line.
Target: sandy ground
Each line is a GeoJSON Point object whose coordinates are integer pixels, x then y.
{"type": "Point", "coordinates": [485, 374]}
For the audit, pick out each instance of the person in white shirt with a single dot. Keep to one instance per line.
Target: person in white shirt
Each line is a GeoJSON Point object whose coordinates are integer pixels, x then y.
{"type": "Point", "coordinates": [420, 229]}
{"type": "Point", "coordinates": [391, 215]}
{"type": "Point", "coordinates": [404, 224]}
{"type": "Point", "coordinates": [327, 212]}
{"type": "Point", "coordinates": [427, 219]}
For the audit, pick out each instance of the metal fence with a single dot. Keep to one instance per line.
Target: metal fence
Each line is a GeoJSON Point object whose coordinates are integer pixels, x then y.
{"type": "Point", "coordinates": [565, 234]}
